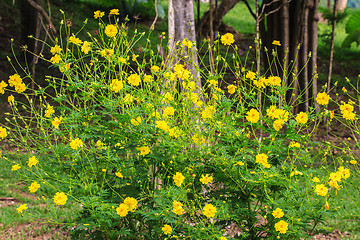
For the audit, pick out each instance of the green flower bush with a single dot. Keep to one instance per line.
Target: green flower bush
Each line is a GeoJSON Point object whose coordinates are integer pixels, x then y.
{"type": "Point", "coordinates": [146, 154]}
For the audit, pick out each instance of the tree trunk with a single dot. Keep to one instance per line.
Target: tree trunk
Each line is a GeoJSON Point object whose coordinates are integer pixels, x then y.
{"type": "Point", "coordinates": [204, 25]}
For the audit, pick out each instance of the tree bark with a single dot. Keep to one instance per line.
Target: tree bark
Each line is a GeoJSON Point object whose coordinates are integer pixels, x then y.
{"type": "Point", "coordinates": [204, 25]}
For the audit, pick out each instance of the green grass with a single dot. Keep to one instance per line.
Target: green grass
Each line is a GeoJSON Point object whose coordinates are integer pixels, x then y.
{"type": "Point", "coordinates": [40, 218]}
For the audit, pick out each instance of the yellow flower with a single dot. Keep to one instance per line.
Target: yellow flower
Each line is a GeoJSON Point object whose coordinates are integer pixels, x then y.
{"type": "Point", "coordinates": [75, 40]}
{"type": "Point", "coordinates": [11, 99]}
{"type": "Point", "coordinates": [262, 158]}
{"type": "Point", "coordinates": [240, 163]}
{"type": "Point", "coordinates": [169, 111]}
{"type": "Point", "coordinates": [19, 88]}
{"type": "Point", "coordinates": [55, 49]}
{"type": "Point", "coordinates": [253, 115]}
{"type": "Point", "coordinates": [276, 42]}
{"type": "Point", "coordinates": [251, 75]}
{"type": "Point", "coordinates": [49, 111]}
{"type": "Point", "coordinates": [316, 179]}
{"type": "Point", "coordinates": [281, 226]}
{"type": "Point", "coordinates": [322, 98]}
{"type": "Point", "coordinates": [56, 122]}
{"type": "Point", "coordinates": [166, 229]}
{"type": "Point", "coordinates": [231, 89]}
{"type": "Point", "coordinates": [122, 210]}
{"type": "Point", "coordinates": [86, 47]}
{"type": "Point", "coordinates": [278, 124]}
{"type": "Point", "coordinates": [187, 43]}
{"type": "Point", "coordinates": [98, 14]}
{"type": "Point", "coordinates": [162, 125]}
{"type": "Point", "coordinates": [294, 145]}
{"type": "Point", "coordinates": [348, 115]}
{"type": "Point", "coordinates": [326, 206]}
{"type": "Point", "coordinates": [107, 53]}
{"type": "Point", "coordinates": [177, 208]}
{"type": "Point", "coordinates": [60, 198]}
{"type": "Point", "coordinates": [321, 190]}
{"type": "Point", "coordinates": [144, 150]}
{"type": "Point", "coordinates": [55, 59]}
{"type": "Point", "coordinates": [209, 211]}
{"type": "Point", "coordinates": [64, 67]}
{"type": "Point", "coordinates": [111, 30]}
{"type": "Point", "coordinates": [155, 68]}
{"type": "Point", "coordinates": [116, 85]}
{"type": "Point", "coordinates": [2, 86]}
{"type": "Point", "coordinates": [136, 121]}
{"type": "Point", "coordinates": [353, 161]}
{"type": "Point", "coordinates": [274, 81]}
{"type": "Point", "coordinates": [208, 112]}
{"type": "Point", "coordinates": [21, 208]}
{"type": "Point", "coordinates": [32, 161]}
{"type": "Point", "coordinates": [178, 179]}
{"type": "Point", "coordinates": [260, 83]}
{"type": "Point", "coordinates": [278, 213]}
{"type": "Point", "coordinates": [3, 132]}
{"type": "Point", "coordinates": [227, 39]}
{"type": "Point", "coordinates": [223, 238]}
{"type": "Point", "coordinates": [131, 203]}
{"type": "Point", "coordinates": [76, 143]}
{"type": "Point", "coordinates": [118, 174]}
{"type": "Point", "coordinates": [122, 60]}
{"type": "Point", "coordinates": [134, 80]}
{"type": "Point", "coordinates": [148, 78]}
{"type": "Point", "coordinates": [206, 179]}
{"type": "Point", "coordinates": [15, 167]}
{"type": "Point", "coordinates": [345, 172]}
{"type": "Point", "coordinates": [302, 118]}
{"type": "Point", "coordinates": [14, 80]}
{"type": "Point", "coordinates": [128, 98]}
{"type": "Point", "coordinates": [133, 57]}
{"type": "Point", "coordinates": [34, 187]}
{"type": "Point", "coordinates": [114, 12]}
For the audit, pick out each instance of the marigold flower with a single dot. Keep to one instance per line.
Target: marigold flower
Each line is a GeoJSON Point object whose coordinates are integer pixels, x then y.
{"type": "Point", "coordinates": [169, 111]}
{"type": "Point", "coordinates": [60, 198]}
{"type": "Point", "coordinates": [281, 226]}
{"type": "Point", "coordinates": [134, 79]}
{"type": "Point", "coordinates": [278, 124]}
{"type": "Point", "coordinates": [260, 83]}
{"type": "Point", "coordinates": [56, 122]}
{"type": "Point", "coordinates": [144, 150]}
{"type": "Point", "coordinates": [75, 40]}
{"type": "Point", "coordinates": [227, 39]}
{"type": "Point", "coordinates": [49, 111]}
{"type": "Point", "coordinates": [111, 30]}
{"type": "Point", "coordinates": [345, 172]}
{"type": "Point", "coordinates": [187, 43]}
{"type": "Point", "coordinates": [253, 115]}
{"type": "Point", "coordinates": [208, 112]}
{"type": "Point", "coordinates": [205, 179]}
{"type": "Point", "coordinates": [278, 213]}
{"type": "Point", "coordinates": [2, 86]}
{"type": "Point", "coordinates": [116, 85]}
{"type": "Point", "coordinates": [178, 179]}
{"type": "Point", "coordinates": [98, 14]}
{"type": "Point", "coordinates": [122, 210]}
{"type": "Point", "coordinates": [316, 179]}
{"type": "Point", "coordinates": [131, 203]}
{"type": "Point", "coordinates": [55, 49]}
{"type": "Point", "coordinates": [231, 89]}
{"type": "Point", "coordinates": [21, 87]}
{"type": "Point", "coordinates": [122, 60]}
{"type": "Point", "coordinates": [86, 47]}
{"type": "Point", "coordinates": [209, 210]}
{"type": "Point", "coordinates": [326, 206]}
{"type": "Point", "coordinates": [177, 208]}
{"type": "Point", "coordinates": [34, 187]}
{"type": "Point", "coordinates": [166, 229]}
{"type": "Point", "coordinates": [136, 121]}
{"type": "Point", "coordinates": [321, 190]}
{"type": "Point", "coordinates": [15, 167]}
{"type": "Point", "coordinates": [21, 208]}
{"type": "Point", "coordinates": [322, 98]}
{"type": "Point", "coordinates": [262, 158]}
{"type": "Point", "coordinates": [162, 125]}
{"type": "Point", "coordinates": [14, 80]}
{"type": "Point", "coordinates": [155, 68]}
{"type": "Point", "coordinates": [32, 161]}
{"type": "Point", "coordinates": [276, 42]}
{"type": "Point", "coordinates": [119, 174]}
{"type": "Point", "coordinates": [3, 132]}
{"type": "Point", "coordinates": [11, 99]}
{"type": "Point", "coordinates": [223, 238]}
{"type": "Point", "coordinates": [302, 118]}
{"type": "Point", "coordinates": [274, 81]}
{"type": "Point", "coordinates": [76, 143]}
{"type": "Point", "coordinates": [107, 53]}
{"type": "Point", "coordinates": [251, 75]}
{"type": "Point", "coordinates": [114, 12]}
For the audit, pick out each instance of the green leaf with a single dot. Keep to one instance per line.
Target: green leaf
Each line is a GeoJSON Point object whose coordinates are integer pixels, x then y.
{"type": "Point", "coordinates": [352, 37]}
{"type": "Point", "coordinates": [353, 23]}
